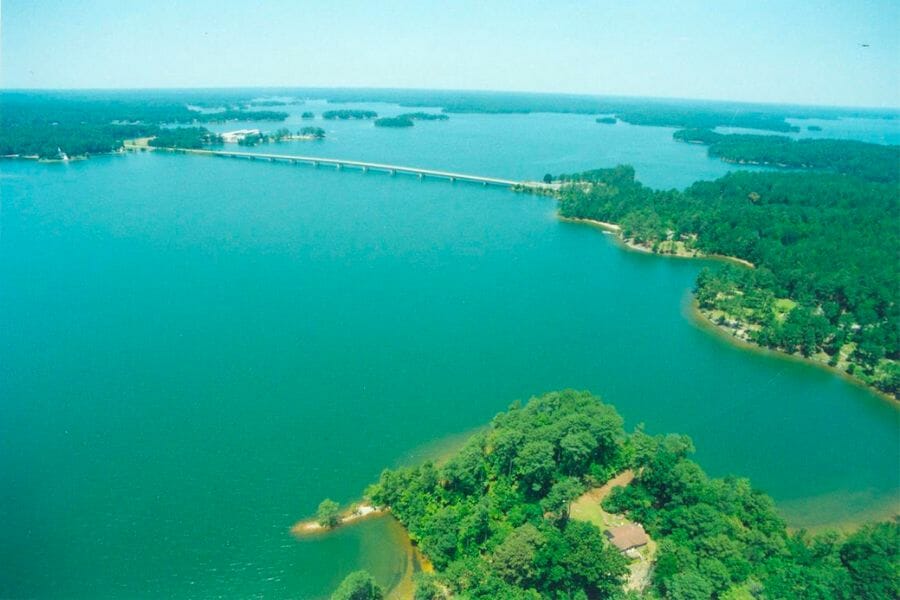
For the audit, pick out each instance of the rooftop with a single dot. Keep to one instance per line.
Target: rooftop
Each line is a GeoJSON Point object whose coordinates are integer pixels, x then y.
{"type": "Point", "coordinates": [627, 536]}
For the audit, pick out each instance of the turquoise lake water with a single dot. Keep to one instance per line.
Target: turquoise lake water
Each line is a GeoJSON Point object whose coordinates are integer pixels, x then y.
{"type": "Point", "coordinates": [195, 351]}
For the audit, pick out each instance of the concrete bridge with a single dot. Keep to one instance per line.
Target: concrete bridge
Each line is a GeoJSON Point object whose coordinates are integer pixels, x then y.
{"type": "Point", "coordinates": [367, 166]}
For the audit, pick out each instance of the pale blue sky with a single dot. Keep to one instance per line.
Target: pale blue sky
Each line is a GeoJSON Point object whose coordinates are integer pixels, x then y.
{"type": "Point", "coordinates": [755, 50]}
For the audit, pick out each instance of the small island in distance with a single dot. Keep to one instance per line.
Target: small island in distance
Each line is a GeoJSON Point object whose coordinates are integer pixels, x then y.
{"type": "Point", "coordinates": [407, 119]}
{"type": "Point", "coordinates": [399, 121]}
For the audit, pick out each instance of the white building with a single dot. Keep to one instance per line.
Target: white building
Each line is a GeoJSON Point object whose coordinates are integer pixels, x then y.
{"type": "Point", "coordinates": [233, 137]}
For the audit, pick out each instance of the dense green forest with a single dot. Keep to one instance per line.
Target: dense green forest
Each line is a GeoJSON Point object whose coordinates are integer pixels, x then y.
{"type": "Point", "coordinates": [184, 137]}
{"type": "Point", "coordinates": [495, 519]}
{"type": "Point", "coordinates": [824, 246]}
{"type": "Point", "coordinates": [49, 140]}
{"type": "Point", "coordinates": [45, 124]}
{"type": "Point", "coordinates": [349, 114]}
{"type": "Point", "coordinates": [875, 162]}
{"type": "Point", "coordinates": [394, 122]}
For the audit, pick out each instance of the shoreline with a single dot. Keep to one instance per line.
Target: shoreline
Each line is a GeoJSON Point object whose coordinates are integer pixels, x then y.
{"type": "Point", "coordinates": [351, 516]}
{"type": "Point", "coordinates": [705, 322]}
{"type": "Point", "coordinates": [612, 228]}
{"type": "Point", "coordinates": [416, 561]}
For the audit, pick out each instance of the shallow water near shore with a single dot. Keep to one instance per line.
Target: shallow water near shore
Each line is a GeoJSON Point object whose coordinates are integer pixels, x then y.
{"type": "Point", "coordinates": [195, 351]}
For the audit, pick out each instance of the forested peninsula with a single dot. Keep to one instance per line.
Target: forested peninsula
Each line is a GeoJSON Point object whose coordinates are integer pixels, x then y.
{"type": "Point", "coordinates": [873, 162]}
{"type": "Point", "coordinates": [821, 244]}
{"type": "Point", "coordinates": [497, 520]}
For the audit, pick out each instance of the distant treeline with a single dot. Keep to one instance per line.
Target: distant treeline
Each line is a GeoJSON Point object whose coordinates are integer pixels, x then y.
{"type": "Point", "coordinates": [824, 246]}
{"type": "Point", "coordinates": [267, 103]}
{"type": "Point", "coordinates": [349, 114]}
{"type": "Point", "coordinates": [407, 119]}
{"type": "Point", "coordinates": [78, 124]}
{"type": "Point", "coordinates": [640, 111]}
{"type": "Point", "coordinates": [874, 162]}
{"type": "Point", "coordinates": [230, 114]}
{"type": "Point", "coordinates": [424, 116]}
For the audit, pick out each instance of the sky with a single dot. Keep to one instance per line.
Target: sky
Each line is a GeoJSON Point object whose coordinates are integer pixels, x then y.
{"type": "Point", "coordinates": [792, 51]}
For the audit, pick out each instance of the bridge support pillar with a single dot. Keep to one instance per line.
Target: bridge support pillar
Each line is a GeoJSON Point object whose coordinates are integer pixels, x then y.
{"type": "Point", "coordinates": [316, 164]}
{"type": "Point", "coordinates": [393, 171]}
{"type": "Point", "coordinates": [453, 180]}
{"type": "Point", "coordinates": [421, 176]}
{"type": "Point", "coordinates": [338, 167]}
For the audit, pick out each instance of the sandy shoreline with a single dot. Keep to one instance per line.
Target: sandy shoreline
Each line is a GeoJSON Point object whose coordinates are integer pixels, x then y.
{"type": "Point", "coordinates": [707, 324]}
{"type": "Point", "coordinates": [361, 512]}
{"type": "Point", "coordinates": [616, 229]}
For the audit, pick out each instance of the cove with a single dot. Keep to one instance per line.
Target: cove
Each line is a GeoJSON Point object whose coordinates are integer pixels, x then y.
{"type": "Point", "coordinates": [196, 351]}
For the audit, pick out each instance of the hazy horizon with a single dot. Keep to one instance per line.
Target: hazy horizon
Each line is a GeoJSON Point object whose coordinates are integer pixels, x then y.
{"type": "Point", "coordinates": [293, 88]}
{"type": "Point", "coordinates": [830, 55]}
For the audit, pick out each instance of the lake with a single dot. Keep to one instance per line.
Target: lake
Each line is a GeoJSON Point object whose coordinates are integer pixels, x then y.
{"type": "Point", "coordinates": [195, 351]}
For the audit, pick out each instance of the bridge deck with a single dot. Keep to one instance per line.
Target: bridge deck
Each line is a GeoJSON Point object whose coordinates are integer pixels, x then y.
{"type": "Point", "coordinates": [316, 160]}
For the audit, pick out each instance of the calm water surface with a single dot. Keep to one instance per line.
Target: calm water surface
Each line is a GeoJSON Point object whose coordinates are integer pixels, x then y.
{"type": "Point", "coordinates": [195, 351]}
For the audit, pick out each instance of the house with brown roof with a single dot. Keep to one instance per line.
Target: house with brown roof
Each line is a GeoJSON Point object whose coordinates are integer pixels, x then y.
{"type": "Point", "coordinates": [627, 537]}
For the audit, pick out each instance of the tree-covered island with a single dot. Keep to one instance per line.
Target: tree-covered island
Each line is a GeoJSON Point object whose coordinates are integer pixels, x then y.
{"type": "Point", "coordinates": [498, 520]}
{"type": "Point", "coordinates": [400, 121]}
{"type": "Point", "coordinates": [407, 119]}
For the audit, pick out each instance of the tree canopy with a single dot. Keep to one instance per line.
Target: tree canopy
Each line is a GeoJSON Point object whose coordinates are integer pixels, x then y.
{"type": "Point", "coordinates": [328, 513]}
{"type": "Point", "coordinates": [358, 585]}
{"type": "Point", "coordinates": [184, 137]}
